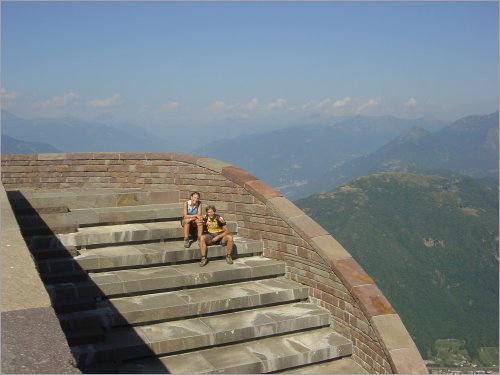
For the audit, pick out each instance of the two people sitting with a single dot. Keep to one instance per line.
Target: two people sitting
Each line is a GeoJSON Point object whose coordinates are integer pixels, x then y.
{"type": "Point", "coordinates": [213, 225]}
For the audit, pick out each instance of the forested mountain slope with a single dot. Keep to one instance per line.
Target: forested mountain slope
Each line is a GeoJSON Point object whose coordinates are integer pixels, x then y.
{"type": "Point", "coordinates": [430, 243]}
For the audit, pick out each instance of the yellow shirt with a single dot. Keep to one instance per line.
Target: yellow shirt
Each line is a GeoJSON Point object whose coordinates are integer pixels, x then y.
{"type": "Point", "coordinates": [213, 225]}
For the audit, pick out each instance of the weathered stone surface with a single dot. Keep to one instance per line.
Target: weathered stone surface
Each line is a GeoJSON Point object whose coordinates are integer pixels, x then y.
{"type": "Point", "coordinates": [407, 361]}
{"type": "Point", "coordinates": [338, 366]}
{"type": "Point", "coordinates": [351, 273]}
{"type": "Point", "coordinates": [266, 355]}
{"type": "Point", "coordinates": [155, 253]}
{"type": "Point", "coordinates": [171, 337]}
{"type": "Point", "coordinates": [307, 227]}
{"type": "Point", "coordinates": [261, 190]}
{"type": "Point", "coordinates": [21, 285]}
{"type": "Point", "coordinates": [284, 208]}
{"type": "Point", "coordinates": [373, 301]}
{"type": "Point", "coordinates": [169, 277]}
{"type": "Point", "coordinates": [114, 234]}
{"type": "Point", "coordinates": [212, 164]}
{"type": "Point", "coordinates": [392, 331]}
{"type": "Point", "coordinates": [27, 336]}
{"type": "Point", "coordinates": [189, 302]}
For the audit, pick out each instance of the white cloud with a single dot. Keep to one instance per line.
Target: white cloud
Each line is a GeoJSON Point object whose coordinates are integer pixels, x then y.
{"type": "Point", "coordinates": [59, 101]}
{"type": "Point", "coordinates": [171, 105]}
{"type": "Point", "coordinates": [317, 105]}
{"type": "Point", "coordinates": [253, 104]}
{"type": "Point", "coordinates": [412, 102]}
{"type": "Point", "coordinates": [367, 105]}
{"type": "Point", "coordinates": [105, 102]}
{"type": "Point", "coordinates": [5, 95]}
{"type": "Point", "coordinates": [217, 106]}
{"type": "Point", "coordinates": [278, 103]}
{"type": "Point", "coordinates": [342, 102]}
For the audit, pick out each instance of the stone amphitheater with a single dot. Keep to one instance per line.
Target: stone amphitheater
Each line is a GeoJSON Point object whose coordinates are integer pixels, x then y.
{"type": "Point", "coordinates": [95, 277]}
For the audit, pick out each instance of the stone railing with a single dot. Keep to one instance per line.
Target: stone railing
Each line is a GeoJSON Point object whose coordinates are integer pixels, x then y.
{"type": "Point", "coordinates": [360, 311]}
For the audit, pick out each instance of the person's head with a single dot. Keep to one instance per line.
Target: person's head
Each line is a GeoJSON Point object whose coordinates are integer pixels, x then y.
{"type": "Point", "coordinates": [210, 210]}
{"type": "Point", "coordinates": [195, 196]}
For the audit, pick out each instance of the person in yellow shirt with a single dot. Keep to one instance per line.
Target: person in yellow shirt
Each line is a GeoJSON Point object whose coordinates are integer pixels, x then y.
{"type": "Point", "coordinates": [217, 232]}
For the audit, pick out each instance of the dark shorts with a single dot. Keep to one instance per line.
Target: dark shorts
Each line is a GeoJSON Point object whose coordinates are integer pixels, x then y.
{"type": "Point", "coordinates": [212, 235]}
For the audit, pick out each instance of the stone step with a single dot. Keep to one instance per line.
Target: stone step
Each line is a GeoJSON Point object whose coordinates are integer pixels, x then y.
{"type": "Point", "coordinates": [115, 234]}
{"type": "Point", "coordinates": [344, 365]}
{"type": "Point", "coordinates": [145, 212]}
{"type": "Point", "coordinates": [60, 222]}
{"type": "Point", "coordinates": [154, 279]}
{"type": "Point", "coordinates": [141, 255]}
{"type": "Point", "coordinates": [90, 198]}
{"type": "Point", "coordinates": [170, 337]}
{"type": "Point", "coordinates": [186, 303]}
{"type": "Point", "coordinates": [254, 357]}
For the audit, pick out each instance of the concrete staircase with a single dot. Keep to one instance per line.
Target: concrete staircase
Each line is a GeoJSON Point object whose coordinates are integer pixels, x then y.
{"type": "Point", "coordinates": [130, 298]}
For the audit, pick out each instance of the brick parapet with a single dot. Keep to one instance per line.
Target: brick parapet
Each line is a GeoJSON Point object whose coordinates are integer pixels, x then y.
{"type": "Point", "coordinates": [337, 282]}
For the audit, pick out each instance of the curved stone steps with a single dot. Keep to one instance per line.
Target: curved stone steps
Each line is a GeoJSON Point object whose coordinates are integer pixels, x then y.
{"type": "Point", "coordinates": [254, 357]}
{"type": "Point", "coordinates": [107, 235]}
{"type": "Point", "coordinates": [139, 255]}
{"type": "Point", "coordinates": [152, 279]}
{"type": "Point", "coordinates": [185, 303]}
{"type": "Point", "coordinates": [91, 198]}
{"type": "Point", "coordinates": [106, 215]}
{"type": "Point", "coordinates": [197, 333]}
{"type": "Point", "coordinates": [131, 298]}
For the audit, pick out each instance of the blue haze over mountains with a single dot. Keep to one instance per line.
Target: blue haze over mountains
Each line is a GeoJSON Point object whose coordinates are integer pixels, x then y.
{"type": "Point", "coordinates": [298, 160]}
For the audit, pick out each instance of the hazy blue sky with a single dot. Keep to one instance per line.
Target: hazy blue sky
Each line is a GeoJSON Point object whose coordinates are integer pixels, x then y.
{"type": "Point", "coordinates": [175, 63]}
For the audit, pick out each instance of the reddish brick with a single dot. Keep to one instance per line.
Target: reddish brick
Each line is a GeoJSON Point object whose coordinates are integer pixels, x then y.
{"type": "Point", "coordinates": [351, 273]}
{"type": "Point", "coordinates": [372, 301]}
{"type": "Point", "coordinates": [261, 190]}
{"type": "Point", "coordinates": [238, 175]}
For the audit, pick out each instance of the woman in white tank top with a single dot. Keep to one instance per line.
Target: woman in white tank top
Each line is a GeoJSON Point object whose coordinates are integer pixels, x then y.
{"type": "Point", "coordinates": [192, 217]}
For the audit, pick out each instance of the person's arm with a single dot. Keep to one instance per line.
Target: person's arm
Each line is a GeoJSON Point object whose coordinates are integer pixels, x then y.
{"type": "Point", "coordinates": [199, 213]}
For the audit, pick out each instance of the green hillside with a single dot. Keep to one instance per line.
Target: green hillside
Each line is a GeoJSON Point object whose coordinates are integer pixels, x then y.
{"type": "Point", "coordinates": [430, 243]}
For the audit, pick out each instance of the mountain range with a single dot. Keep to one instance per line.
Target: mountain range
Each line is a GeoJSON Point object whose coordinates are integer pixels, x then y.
{"type": "Point", "coordinates": [75, 135]}
{"type": "Point", "coordinates": [430, 243]}
{"type": "Point", "coordinates": [468, 146]}
{"type": "Point", "coordinates": [295, 160]}
{"type": "Point", "coordinates": [15, 146]}
{"type": "Point", "coordinates": [299, 160]}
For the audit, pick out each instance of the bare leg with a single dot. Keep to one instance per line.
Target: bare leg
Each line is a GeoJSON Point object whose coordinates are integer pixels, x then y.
{"type": "Point", "coordinates": [203, 246]}
{"type": "Point", "coordinates": [229, 248]}
{"type": "Point", "coordinates": [229, 244]}
{"type": "Point", "coordinates": [186, 233]}
{"type": "Point", "coordinates": [199, 229]}
{"type": "Point", "coordinates": [204, 241]}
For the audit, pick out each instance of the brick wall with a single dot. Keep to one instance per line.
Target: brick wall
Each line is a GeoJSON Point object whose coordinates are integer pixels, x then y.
{"type": "Point", "coordinates": [359, 310]}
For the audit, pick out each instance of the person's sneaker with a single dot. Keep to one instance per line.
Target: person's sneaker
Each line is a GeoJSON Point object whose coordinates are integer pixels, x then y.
{"type": "Point", "coordinates": [229, 259]}
{"type": "Point", "coordinates": [203, 261]}
{"type": "Point", "coordinates": [186, 242]}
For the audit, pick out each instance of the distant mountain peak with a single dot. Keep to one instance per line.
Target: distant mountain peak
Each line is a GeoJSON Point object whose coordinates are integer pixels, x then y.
{"type": "Point", "coordinates": [413, 134]}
